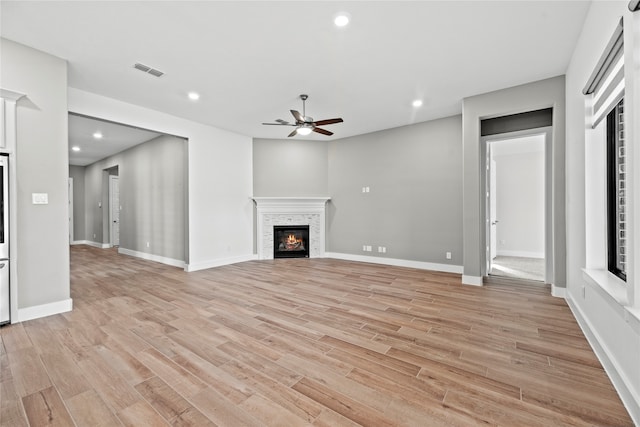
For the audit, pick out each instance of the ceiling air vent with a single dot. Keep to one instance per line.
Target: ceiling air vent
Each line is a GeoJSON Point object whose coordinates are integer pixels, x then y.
{"type": "Point", "coordinates": [148, 70]}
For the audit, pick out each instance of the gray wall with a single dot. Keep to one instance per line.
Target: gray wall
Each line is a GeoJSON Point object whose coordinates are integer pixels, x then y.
{"type": "Point", "coordinates": [528, 97]}
{"type": "Point", "coordinates": [79, 228]}
{"type": "Point", "coordinates": [290, 168]}
{"type": "Point", "coordinates": [414, 174]}
{"type": "Point", "coordinates": [414, 206]}
{"type": "Point", "coordinates": [152, 197]}
{"type": "Point", "coordinates": [41, 164]}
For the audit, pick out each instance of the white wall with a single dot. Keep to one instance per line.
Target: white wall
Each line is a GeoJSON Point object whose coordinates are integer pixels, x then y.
{"type": "Point", "coordinates": [520, 196]}
{"type": "Point", "coordinates": [220, 211]}
{"type": "Point", "coordinates": [40, 160]}
{"type": "Point", "coordinates": [611, 321]}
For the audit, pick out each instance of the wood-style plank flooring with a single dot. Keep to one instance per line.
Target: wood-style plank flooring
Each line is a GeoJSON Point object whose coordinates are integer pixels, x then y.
{"type": "Point", "coordinates": [294, 342]}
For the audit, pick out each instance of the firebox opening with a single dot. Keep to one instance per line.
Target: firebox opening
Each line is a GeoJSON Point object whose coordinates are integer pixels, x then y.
{"type": "Point", "coordinates": [291, 241]}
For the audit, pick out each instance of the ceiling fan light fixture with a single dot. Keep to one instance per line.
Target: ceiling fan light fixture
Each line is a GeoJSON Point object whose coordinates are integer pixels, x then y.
{"type": "Point", "coordinates": [303, 130]}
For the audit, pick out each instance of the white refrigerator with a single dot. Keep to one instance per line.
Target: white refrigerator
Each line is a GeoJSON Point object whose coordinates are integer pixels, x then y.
{"type": "Point", "coordinates": [5, 313]}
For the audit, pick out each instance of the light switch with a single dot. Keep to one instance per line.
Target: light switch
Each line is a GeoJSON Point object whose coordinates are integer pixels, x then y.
{"type": "Point", "coordinates": [40, 198]}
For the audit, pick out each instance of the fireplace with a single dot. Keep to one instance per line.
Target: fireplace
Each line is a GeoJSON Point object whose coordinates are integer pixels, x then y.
{"type": "Point", "coordinates": [291, 241]}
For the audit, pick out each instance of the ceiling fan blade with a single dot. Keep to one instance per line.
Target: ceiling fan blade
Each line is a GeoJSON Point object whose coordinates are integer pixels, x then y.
{"type": "Point", "coordinates": [279, 124]}
{"type": "Point", "coordinates": [322, 131]}
{"type": "Point", "coordinates": [297, 115]}
{"type": "Point", "coordinates": [292, 133]}
{"type": "Point", "coordinates": [328, 122]}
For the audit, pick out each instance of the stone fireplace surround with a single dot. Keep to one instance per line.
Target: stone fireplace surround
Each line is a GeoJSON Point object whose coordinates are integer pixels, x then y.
{"type": "Point", "coordinates": [290, 211]}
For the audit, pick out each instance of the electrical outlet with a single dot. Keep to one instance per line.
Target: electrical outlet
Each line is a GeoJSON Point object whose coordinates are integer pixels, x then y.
{"type": "Point", "coordinates": [364, 248]}
{"type": "Point", "coordinates": [448, 255]}
{"type": "Point", "coordinates": [148, 244]}
{"type": "Point", "coordinates": [368, 248]}
{"type": "Point", "coordinates": [584, 292]}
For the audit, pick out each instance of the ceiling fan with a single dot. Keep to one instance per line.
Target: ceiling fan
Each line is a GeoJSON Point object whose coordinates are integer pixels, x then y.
{"type": "Point", "coordinates": [305, 124]}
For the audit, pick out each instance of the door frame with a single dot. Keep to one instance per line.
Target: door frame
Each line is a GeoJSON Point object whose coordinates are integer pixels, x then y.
{"type": "Point", "coordinates": [71, 234]}
{"type": "Point", "coordinates": [485, 233]}
{"type": "Point", "coordinates": [113, 178]}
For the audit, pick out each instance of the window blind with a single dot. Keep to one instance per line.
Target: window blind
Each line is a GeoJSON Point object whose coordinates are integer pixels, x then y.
{"type": "Point", "coordinates": [605, 87]}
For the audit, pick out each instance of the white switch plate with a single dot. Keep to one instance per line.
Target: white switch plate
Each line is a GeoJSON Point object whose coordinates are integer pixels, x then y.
{"type": "Point", "coordinates": [40, 198]}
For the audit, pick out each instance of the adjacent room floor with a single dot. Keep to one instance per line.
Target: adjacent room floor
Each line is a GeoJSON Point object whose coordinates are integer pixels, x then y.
{"type": "Point", "coordinates": [518, 267]}
{"type": "Point", "coordinates": [296, 342]}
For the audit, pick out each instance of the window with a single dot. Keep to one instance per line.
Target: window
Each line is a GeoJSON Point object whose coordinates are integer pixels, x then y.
{"type": "Point", "coordinates": [604, 92]}
{"type": "Point", "coordinates": [616, 193]}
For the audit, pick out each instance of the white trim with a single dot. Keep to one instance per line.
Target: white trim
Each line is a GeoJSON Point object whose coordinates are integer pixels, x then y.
{"type": "Point", "coordinates": [629, 398]}
{"type": "Point", "coordinates": [9, 141]}
{"type": "Point", "coordinates": [608, 285]}
{"type": "Point", "coordinates": [524, 254]}
{"type": "Point", "coordinates": [446, 268]}
{"type": "Point", "coordinates": [152, 257]}
{"type": "Point", "coordinates": [71, 219]}
{"type": "Point", "coordinates": [90, 243]}
{"type": "Point", "coordinates": [558, 292]}
{"type": "Point", "coordinates": [44, 310]}
{"type": "Point", "coordinates": [218, 262]}
{"type": "Point", "coordinates": [472, 280]}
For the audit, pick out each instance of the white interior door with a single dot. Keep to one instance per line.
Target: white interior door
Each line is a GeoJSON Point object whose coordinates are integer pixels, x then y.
{"type": "Point", "coordinates": [70, 210]}
{"type": "Point", "coordinates": [114, 210]}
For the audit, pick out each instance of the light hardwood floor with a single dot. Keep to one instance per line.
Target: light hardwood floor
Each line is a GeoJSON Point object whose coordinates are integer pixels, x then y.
{"type": "Point", "coordinates": [299, 342]}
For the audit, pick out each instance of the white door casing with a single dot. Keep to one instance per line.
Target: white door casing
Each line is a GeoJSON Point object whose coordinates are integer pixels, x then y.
{"type": "Point", "coordinates": [70, 210]}
{"type": "Point", "coordinates": [114, 210]}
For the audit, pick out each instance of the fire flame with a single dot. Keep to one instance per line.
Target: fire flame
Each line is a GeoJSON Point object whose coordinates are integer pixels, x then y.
{"type": "Point", "coordinates": [292, 239]}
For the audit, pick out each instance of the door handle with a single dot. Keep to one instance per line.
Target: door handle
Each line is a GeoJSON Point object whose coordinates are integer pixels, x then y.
{"type": "Point", "coordinates": [495, 222]}
{"type": "Point", "coordinates": [2, 264]}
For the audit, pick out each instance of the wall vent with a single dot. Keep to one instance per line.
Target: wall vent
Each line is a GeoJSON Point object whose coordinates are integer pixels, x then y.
{"type": "Point", "coordinates": [148, 70]}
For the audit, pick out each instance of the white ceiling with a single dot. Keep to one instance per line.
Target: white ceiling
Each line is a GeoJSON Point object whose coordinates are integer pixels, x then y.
{"type": "Point", "coordinates": [115, 138]}
{"type": "Point", "coordinates": [250, 60]}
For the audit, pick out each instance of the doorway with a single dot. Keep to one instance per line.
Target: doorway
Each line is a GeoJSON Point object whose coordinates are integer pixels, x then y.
{"type": "Point", "coordinates": [517, 208]}
{"type": "Point", "coordinates": [114, 210]}
{"type": "Point", "coordinates": [70, 189]}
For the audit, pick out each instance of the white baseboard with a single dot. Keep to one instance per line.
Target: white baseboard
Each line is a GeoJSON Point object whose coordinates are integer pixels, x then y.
{"type": "Point", "coordinates": [446, 268]}
{"type": "Point", "coordinates": [203, 265]}
{"type": "Point", "coordinates": [152, 257]}
{"type": "Point", "coordinates": [90, 243]}
{"type": "Point", "coordinates": [472, 280]}
{"type": "Point", "coordinates": [558, 292]}
{"type": "Point", "coordinates": [523, 254]}
{"type": "Point", "coordinates": [622, 384]}
{"type": "Point", "coordinates": [44, 310]}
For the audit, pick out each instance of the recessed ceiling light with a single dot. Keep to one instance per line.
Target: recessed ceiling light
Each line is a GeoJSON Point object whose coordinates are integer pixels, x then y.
{"type": "Point", "coordinates": [342, 19]}
{"type": "Point", "coordinates": [75, 148]}
{"type": "Point", "coordinates": [417, 103]}
{"type": "Point", "coordinates": [194, 96]}
{"type": "Point", "coordinates": [97, 135]}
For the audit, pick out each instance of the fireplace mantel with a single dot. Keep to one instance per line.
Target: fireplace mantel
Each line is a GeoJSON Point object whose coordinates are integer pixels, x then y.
{"type": "Point", "coordinates": [290, 211]}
